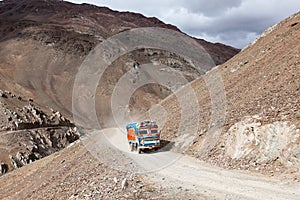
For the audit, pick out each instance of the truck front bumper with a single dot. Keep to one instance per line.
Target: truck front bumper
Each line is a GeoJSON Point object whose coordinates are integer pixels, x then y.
{"type": "Point", "coordinates": [150, 147]}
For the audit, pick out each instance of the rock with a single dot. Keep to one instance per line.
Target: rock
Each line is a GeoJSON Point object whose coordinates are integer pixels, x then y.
{"type": "Point", "coordinates": [3, 168]}
{"type": "Point", "coordinates": [2, 94]}
{"type": "Point", "coordinates": [124, 184]}
{"type": "Point", "coordinates": [20, 156]}
{"type": "Point", "coordinates": [16, 124]}
{"type": "Point", "coordinates": [13, 162]}
{"type": "Point", "coordinates": [115, 180]}
{"type": "Point", "coordinates": [57, 114]}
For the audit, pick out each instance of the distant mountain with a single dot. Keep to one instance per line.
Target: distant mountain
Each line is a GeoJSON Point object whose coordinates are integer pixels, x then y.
{"type": "Point", "coordinates": [61, 22]}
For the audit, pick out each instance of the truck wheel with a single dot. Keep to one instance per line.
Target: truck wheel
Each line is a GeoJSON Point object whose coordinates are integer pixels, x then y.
{"type": "Point", "coordinates": [139, 150]}
{"type": "Point", "coordinates": [131, 147]}
{"type": "Point", "coordinates": [135, 147]}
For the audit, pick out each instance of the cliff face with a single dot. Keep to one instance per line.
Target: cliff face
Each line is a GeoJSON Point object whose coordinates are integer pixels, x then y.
{"type": "Point", "coordinates": [29, 132]}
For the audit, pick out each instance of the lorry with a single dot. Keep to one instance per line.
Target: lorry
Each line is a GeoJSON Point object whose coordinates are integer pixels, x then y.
{"type": "Point", "coordinates": [143, 135]}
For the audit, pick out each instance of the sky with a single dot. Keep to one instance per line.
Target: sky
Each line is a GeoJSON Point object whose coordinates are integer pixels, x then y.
{"type": "Point", "coordinates": [233, 22]}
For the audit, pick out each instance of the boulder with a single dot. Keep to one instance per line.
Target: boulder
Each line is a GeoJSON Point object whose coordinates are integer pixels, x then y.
{"type": "Point", "coordinates": [3, 168]}
{"type": "Point", "coordinates": [13, 162]}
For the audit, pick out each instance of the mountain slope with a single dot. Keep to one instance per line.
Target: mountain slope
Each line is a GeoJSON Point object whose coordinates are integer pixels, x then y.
{"type": "Point", "coordinates": [262, 124]}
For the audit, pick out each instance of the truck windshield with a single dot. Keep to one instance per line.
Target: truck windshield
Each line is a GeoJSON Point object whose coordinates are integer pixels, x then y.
{"type": "Point", "coordinates": [153, 131]}
{"type": "Point", "coordinates": [143, 131]}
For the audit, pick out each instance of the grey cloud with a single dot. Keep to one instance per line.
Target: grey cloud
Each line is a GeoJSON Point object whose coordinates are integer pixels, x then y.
{"type": "Point", "coordinates": [209, 8]}
{"type": "Point", "coordinates": [232, 22]}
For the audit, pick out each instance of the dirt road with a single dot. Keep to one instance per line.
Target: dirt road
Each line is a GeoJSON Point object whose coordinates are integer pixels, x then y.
{"type": "Point", "coordinates": [178, 172]}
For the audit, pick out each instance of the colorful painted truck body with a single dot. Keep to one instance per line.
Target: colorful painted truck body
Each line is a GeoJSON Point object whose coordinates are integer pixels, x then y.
{"type": "Point", "coordinates": [144, 135]}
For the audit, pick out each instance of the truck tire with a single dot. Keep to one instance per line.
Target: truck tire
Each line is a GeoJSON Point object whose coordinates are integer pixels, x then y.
{"type": "Point", "coordinates": [139, 150]}
{"type": "Point", "coordinates": [131, 147]}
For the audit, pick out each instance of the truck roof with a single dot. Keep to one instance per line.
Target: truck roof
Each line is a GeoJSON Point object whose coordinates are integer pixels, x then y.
{"type": "Point", "coordinates": [137, 125]}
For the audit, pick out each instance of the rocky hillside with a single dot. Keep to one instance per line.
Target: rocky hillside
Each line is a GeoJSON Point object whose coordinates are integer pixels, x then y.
{"type": "Point", "coordinates": [29, 133]}
{"type": "Point", "coordinates": [261, 131]}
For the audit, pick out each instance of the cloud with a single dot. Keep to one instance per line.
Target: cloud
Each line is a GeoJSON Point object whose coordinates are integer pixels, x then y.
{"type": "Point", "coordinates": [208, 8]}
{"type": "Point", "coordinates": [232, 22]}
